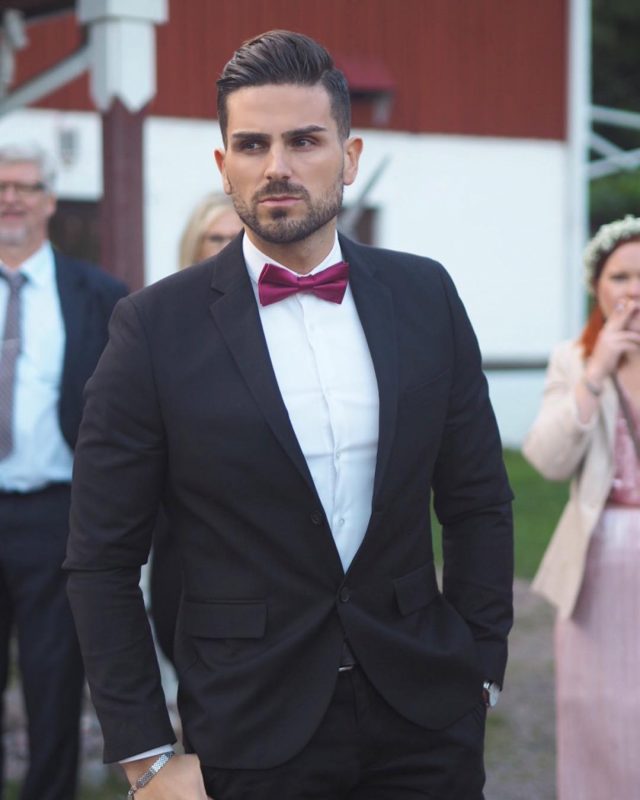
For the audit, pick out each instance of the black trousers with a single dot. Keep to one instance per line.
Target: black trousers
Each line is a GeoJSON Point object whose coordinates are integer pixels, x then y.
{"type": "Point", "coordinates": [364, 750]}
{"type": "Point", "coordinates": [33, 603]}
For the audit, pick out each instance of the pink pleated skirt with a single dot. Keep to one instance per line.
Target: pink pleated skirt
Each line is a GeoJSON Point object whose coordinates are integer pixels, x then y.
{"type": "Point", "coordinates": [598, 669]}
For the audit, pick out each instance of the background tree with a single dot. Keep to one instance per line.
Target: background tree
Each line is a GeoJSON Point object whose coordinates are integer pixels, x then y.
{"type": "Point", "coordinates": [616, 84]}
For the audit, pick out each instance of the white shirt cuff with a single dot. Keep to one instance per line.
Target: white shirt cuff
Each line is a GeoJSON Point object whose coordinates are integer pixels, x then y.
{"type": "Point", "coordinates": [157, 751]}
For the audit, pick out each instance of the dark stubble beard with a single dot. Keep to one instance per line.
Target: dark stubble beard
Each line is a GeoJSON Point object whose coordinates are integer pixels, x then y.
{"type": "Point", "coordinates": [280, 228]}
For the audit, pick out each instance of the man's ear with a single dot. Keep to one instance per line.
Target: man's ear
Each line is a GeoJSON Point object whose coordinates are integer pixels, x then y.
{"type": "Point", "coordinates": [219, 156]}
{"type": "Point", "coordinates": [352, 151]}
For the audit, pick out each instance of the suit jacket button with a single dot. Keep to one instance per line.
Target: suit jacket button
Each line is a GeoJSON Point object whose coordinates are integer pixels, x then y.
{"type": "Point", "coordinates": [316, 518]}
{"type": "Point", "coordinates": [345, 595]}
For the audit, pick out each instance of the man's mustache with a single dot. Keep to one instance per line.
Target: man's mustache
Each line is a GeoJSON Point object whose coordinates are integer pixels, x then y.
{"type": "Point", "coordinates": [279, 188]}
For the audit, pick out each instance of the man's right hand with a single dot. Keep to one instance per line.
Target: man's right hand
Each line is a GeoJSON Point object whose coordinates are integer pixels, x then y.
{"type": "Point", "coordinates": [179, 779]}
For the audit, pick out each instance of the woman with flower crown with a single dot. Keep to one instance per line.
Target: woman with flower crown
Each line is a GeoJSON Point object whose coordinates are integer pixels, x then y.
{"type": "Point", "coordinates": [588, 430]}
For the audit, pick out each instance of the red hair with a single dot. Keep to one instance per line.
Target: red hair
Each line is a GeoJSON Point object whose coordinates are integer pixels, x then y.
{"type": "Point", "coordinates": [591, 330]}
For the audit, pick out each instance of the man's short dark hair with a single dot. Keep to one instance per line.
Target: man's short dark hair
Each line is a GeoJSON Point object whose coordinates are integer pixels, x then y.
{"type": "Point", "coordinates": [283, 57]}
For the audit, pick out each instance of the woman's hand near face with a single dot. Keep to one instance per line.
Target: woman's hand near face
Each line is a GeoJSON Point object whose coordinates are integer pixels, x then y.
{"type": "Point", "coordinates": [615, 340]}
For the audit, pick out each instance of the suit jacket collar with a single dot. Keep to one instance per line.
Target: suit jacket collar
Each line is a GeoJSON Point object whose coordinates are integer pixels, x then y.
{"type": "Point", "coordinates": [235, 311]}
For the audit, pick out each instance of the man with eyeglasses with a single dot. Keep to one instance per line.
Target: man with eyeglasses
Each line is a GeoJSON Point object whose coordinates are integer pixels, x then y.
{"type": "Point", "coordinates": [54, 312]}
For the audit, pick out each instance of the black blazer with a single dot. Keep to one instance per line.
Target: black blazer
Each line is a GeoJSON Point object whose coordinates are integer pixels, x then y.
{"type": "Point", "coordinates": [184, 409]}
{"type": "Point", "coordinates": [87, 298]}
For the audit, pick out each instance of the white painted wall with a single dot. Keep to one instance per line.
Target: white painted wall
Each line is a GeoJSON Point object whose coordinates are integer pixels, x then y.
{"type": "Point", "coordinates": [516, 398]}
{"type": "Point", "coordinates": [494, 211]}
{"type": "Point", "coordinates": [179, 169]}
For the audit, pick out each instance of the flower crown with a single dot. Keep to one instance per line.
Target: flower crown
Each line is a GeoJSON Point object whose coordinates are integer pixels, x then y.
{"type": "Point", "coordinates": [606, 240]}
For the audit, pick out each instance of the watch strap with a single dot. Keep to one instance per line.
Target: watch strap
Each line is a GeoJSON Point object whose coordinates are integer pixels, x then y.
{"type": "Point", "coordinates": [153, 770]}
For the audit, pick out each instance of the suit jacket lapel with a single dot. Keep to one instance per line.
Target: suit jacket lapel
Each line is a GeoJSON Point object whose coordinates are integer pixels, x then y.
{"type": "Point", "coordinates": [375, 308]}
{"type": "Point", "coordinates": [236, 314]}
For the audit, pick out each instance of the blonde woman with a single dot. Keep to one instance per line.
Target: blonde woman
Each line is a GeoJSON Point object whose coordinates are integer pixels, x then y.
{"type": "Point", "coordinates": [588, 430]}
{"type": "Point", "coordinates": [212, 225]}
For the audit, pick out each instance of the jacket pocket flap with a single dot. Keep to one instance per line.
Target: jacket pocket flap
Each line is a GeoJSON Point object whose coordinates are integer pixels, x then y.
{"type": "Point", "coordinates": [417, 589]}
{"type": "Point", "coordinates": [235, 620]}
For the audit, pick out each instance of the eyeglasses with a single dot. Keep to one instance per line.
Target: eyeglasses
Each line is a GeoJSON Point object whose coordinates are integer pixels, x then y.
{"type": "Point", "coordinates": [23, 190]}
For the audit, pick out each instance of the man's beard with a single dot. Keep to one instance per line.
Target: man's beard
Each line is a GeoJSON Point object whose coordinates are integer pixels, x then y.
{"type": "Point", "coordinates": [281, 229]}
{"type": "Point", "coordinates": [13, 237]}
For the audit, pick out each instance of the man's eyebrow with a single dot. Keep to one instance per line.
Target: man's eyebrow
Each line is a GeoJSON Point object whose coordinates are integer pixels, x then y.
{"type": "Point", "coordinates": [305, 131]}
{"type": "Point", "coordinates": [248, 135]}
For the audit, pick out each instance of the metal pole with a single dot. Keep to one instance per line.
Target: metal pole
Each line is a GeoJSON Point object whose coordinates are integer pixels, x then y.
{"type": "Point", "coordinates": [578, 136]}
{"type": "Point", "coordinates": [613, 116]}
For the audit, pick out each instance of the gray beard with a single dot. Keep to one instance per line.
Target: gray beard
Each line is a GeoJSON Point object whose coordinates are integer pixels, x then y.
{"type": "Point", "coordinates": [13, 238]}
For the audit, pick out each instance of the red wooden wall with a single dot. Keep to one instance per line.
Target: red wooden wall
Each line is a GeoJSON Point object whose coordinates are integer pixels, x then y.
{"type": "Point", "coordinates": [479, 67]}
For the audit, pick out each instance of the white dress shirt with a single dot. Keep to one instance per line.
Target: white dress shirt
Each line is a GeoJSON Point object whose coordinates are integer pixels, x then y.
{"type": "Point", "coordinates": [326, 377]}
{"type": "Point", "coordinates": [41, 455]}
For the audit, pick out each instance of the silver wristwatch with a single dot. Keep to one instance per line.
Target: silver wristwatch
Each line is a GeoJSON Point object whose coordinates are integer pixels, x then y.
{"type": "Point", "coordinates": [153, 770]}
{"type": "Point", "coordinates": [491, 693]}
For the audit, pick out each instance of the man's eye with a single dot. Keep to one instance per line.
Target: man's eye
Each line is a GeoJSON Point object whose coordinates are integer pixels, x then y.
{"type": "Point", "coordinates": [303, 141]}
{"type": "Point", "coordinates": [250, 145]}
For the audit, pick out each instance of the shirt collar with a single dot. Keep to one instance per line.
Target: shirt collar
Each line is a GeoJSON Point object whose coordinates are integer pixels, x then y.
{"type": "Point", "coordinates": [39, 268]}
{"type": "Point", "coordinates": [255, 259]}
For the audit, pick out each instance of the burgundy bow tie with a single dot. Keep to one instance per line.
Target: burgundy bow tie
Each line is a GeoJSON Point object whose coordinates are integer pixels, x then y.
{"type": "Point", "coordinates": [276, 283]}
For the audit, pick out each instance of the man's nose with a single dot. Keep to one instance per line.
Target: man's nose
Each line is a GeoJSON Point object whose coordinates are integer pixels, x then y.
{"type": "Point", "coordinates": [8, 192]}
{"type": "Point", "coordinates": [278, 167]}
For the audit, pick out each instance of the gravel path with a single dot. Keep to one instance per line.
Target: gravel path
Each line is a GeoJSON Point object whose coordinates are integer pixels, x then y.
{"type": "Point", "coordinates": [520, 737]}
{"type": "Point", "coordinates": [520, 753]}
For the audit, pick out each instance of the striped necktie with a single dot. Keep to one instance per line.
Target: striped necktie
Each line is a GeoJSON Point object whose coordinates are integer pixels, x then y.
{"type": "Point", "coordinates": [8, 359]}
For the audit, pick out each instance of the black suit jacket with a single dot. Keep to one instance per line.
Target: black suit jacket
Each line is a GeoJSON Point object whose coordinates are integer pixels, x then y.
{"type": "Point", "coordinates": [184, 409]}
{"type": "Point", "coordinates": [87, 298]}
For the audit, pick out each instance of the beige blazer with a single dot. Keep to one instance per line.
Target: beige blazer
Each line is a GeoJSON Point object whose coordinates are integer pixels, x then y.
{"type": "Point", "coordinates": [561, 447]}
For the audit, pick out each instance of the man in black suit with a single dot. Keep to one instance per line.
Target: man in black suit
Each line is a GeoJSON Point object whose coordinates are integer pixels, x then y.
{"type": "Point", "coordinates": [292, 413]}
{"type": "Point", "coordinates": [54, 312]}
